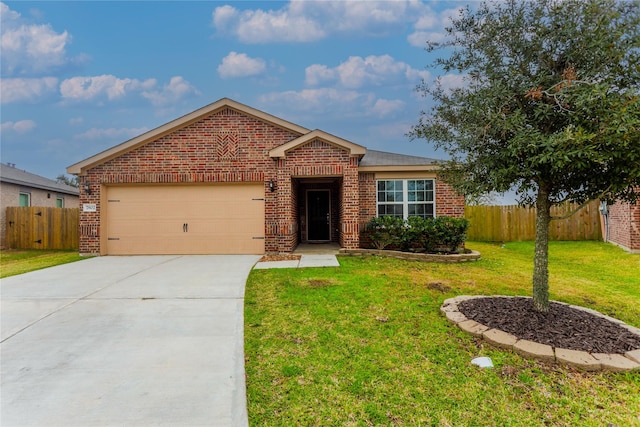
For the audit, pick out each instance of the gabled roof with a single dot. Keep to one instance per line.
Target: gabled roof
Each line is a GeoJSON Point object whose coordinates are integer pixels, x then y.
{"type": "Point", "coordinates": [381, 160]}
{"type": "Point", "coordinates": [172, 126]}
{"type": "Point", "coordinates": [353, 149]}
{"type": "Point", "coordinates": [12, 175]}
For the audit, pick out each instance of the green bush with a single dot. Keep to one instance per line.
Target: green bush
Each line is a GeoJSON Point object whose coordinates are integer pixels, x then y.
{"type": "Point", "coordinates": [417, 233]}
{"type": "Point", "coordinates": [452, 232]}
{"type": "Point", "coordinates": [385, 231]}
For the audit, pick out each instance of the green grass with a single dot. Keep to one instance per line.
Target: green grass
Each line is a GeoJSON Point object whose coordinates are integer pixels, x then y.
{"type": "Point", "coordinates": [14, 262]}
{"type": "Point", "coordinates": [365, 344]}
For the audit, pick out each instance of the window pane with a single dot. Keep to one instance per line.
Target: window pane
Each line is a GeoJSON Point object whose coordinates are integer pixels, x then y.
{"type": "Point", "coordinates": [60, 202]}
{"type": "Point", "coordinates": [24, 199]}
{"type": "Point", "coordinates": [390, 210]}
{"type": "Point", "coordinates": [429, 211]}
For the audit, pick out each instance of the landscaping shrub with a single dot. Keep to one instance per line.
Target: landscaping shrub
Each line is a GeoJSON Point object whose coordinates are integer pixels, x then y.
{"type": "Point", "coordinates": [452, 231]}
{"type": "Point", "coordinates": [417, 233]}
{"type": "Point", "coordinates": [385, 231]}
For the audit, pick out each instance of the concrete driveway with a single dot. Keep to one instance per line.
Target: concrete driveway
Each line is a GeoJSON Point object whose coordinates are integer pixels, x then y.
{"type": "Point", "coordinates": [125, 341]}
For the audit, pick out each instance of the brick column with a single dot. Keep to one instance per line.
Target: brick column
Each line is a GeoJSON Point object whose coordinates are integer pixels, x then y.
{"type": "Point", "coordinates": [350, 215]}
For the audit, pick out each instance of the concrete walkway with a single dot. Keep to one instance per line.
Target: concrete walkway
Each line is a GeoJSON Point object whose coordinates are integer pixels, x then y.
{"type": "Point", "coordinates": [311, 255]}
{"type": "Point", "coordinates": [126, 341]}
{"type": "Point", "coordinates": [311, 260]}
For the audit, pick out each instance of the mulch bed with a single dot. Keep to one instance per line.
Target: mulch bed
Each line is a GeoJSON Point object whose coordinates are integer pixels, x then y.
{"type": "Point", "coordinates": [562, 326]}
{"type": "Point", "coordinates": [279, 257]}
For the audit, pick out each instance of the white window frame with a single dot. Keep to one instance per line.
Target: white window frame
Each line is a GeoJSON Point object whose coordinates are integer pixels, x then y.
{"type": "Point", "coordinates": [405, 196]}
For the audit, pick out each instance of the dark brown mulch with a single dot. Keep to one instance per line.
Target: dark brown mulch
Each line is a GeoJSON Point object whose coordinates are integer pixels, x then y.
{"type": "Point", "coordinates": [562, 326]}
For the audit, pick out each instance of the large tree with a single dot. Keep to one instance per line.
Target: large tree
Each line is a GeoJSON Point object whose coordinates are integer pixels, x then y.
{"type": "Point", "coordinates": [549, 106]}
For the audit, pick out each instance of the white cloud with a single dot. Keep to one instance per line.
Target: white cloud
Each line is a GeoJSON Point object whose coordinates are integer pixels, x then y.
{"type": "Point", "coordinates": [452, 81]}
{"type": "Point", "coordinates": [317, 73]}
{"type": "Point", "coordinates": [240, 65]}
{"type": "Point", "coordinates": [176, 89]}
{"type": "Point", "coordinates": [18, 89]}
{"type": "Point", "coordinates": [111, 88]}
{"type": "Point", "coordinates": [28, 49]}
{"type": "Point", "coordinates": [331, 101]}
{"type": "Point", "coordinates": [357, 72]}
{"type": "Point", "coordinates": [111, 133]}
{"type": "Point", "coordinates": [7, 15]}
{"type": "Point", "coordinates": [430, 26]}
{"type": "Point", "coordinates": [420, 38]}
{"type": "Point", "coordinates": [386, 107]}
{"type": "Point", "coordinates": [90, 88]}
{"type": "Point", "coordinates": [258, 26]}
{"type": "Point", "coordinates": [76, 120]}
{"type": "Point", "coordinates": [308, 21]}
{"type": "Point", "coordinates": [22, 126]}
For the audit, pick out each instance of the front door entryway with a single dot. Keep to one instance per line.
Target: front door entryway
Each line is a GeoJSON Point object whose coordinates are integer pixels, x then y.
{"type": "Point", "coordinates": [318, 215]}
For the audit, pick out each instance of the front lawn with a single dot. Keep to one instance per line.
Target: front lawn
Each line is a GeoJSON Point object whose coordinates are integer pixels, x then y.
{"type": "Point", "coordinates": [365, 344]}
{"type": "Point", "coordinates": [14, 261]}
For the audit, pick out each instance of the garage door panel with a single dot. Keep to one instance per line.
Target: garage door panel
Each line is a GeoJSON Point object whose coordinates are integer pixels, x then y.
{"type": "Point", "coordinates": [205, 219]}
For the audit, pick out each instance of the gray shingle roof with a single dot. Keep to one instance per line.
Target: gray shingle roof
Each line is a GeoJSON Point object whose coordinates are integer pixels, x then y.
{"type": "Point", "coordinates": [382, 158]}
{"type": "Point", "coordinates": [13, 175]}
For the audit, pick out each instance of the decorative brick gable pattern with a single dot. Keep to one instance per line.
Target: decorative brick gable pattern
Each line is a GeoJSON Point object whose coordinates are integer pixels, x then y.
{"type": "Point", "coordinates": [226, 145]}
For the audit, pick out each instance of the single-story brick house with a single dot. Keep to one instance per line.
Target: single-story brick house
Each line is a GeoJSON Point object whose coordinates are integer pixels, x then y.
{"type": "Point", "coordinates": [21, 188]}
{"type": "Point", "coordinates": [231, 179]}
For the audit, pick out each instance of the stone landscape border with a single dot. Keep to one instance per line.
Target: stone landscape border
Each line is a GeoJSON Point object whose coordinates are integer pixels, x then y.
{"type": "Point", "coordinates": [532, 350]}
{"type": "Point", "coordinates": [449, 258]}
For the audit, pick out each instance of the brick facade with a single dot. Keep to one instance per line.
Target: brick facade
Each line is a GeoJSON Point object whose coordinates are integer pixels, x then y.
{"type": "Point", "coordinates": [229, 146]}
{"type": "Point", "coordinates": [624, 226]}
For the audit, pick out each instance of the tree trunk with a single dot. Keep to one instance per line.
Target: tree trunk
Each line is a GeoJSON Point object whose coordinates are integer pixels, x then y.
{"type": "Point", "coordinates": [541, 257]}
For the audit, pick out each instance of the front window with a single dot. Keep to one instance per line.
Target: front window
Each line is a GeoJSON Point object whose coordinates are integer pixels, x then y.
{"type": "Point", "coordinates": [406, 197]}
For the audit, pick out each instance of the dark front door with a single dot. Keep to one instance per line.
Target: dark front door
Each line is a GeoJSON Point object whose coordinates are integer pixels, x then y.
{"type": "Point", "coordinates": [318, 215]}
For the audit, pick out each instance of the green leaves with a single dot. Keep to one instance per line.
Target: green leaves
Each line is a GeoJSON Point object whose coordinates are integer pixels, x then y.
{"type": "Point", "coordinates": [551, 100]}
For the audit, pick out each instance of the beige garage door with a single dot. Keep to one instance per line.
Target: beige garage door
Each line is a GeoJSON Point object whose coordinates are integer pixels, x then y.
{"type": "Point", "coordinates": [180, 219]}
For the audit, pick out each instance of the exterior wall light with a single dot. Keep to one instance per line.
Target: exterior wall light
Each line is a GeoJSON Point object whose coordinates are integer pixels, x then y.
{"type": "Point", "coordinates": [272, 186]}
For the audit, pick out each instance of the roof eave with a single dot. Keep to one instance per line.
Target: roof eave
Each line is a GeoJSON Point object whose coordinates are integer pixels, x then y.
{"type": "Point", "coordinates": [398, 168]}
{"type": "Point", "coordinates": [354, 150]}
{"type": "Point", "coordinates": [39, 186]}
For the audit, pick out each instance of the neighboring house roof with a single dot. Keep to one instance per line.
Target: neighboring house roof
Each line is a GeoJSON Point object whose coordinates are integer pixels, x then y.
{"type": "Point", "coordinates": [12, 175]}
{"type": "Point", "coordinates": [375, 160]}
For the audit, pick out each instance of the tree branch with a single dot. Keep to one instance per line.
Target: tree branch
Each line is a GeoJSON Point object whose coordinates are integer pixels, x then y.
{"type": "Point", "coordinates": [582, 205]}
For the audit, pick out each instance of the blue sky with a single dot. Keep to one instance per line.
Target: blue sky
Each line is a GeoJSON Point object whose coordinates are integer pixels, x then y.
{"type": "Point", "coordinates": [80, 77]}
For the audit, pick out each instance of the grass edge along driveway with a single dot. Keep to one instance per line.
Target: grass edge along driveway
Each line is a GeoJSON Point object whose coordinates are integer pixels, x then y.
{"type": "Point", "coordinates": [365, 344]}
{"type": "Point", "coordinates": [16, 261]}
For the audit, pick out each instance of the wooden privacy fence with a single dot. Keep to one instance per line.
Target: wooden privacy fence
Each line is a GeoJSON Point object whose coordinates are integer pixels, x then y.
{"type": "Point", "coordinates": [42, 228]}
{"type": "Point", "coordinates": [515, 223]}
